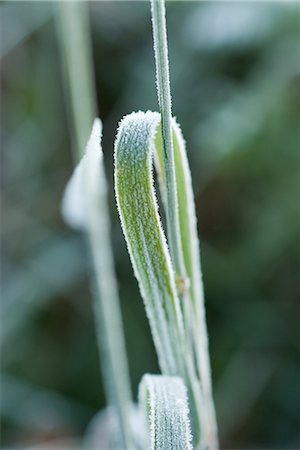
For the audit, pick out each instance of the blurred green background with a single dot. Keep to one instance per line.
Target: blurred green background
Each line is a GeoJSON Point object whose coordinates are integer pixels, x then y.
{"type": "Point", "coordinates": [235, 83]}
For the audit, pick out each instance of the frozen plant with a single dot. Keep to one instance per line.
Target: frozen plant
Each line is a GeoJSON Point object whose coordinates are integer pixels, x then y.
{"type": "Point", "coordinates": [177, 405]}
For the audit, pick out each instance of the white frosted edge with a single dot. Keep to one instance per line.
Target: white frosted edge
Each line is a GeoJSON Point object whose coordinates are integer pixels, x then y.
{"type": "Point", "coordinates": [74, 201]}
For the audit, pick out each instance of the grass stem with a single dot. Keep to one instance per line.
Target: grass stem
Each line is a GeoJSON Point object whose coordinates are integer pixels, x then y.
{"type": "Point", "coordinates": [164, 99]}
{"type": "Point", "coordinates": [197, 332]}
{"type": "Point", "coordinates": [75, 39]}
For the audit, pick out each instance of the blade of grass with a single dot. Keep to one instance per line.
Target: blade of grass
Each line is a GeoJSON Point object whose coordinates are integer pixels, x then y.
{"type": "Point", "coordinates": [190, 246]}
{"type": "Point", "coordinates": [75, 41]}
{"type": "Point", "coordinates": [164, 99]}
{"type": "Point", "coordinates": [165, 401]}
{"type": "Point", "coordinates": [144, 235]}
{"type": "Point", "coordinates": [159, 28]}
{"type": "Point", "coordinates": [181, 224]}
{"type": "Point", "coordinates": [85, 207]}
{"type": "Point", "coordinates": [148, 250]}
{"type": "Point", "coordinates": [90, 196]}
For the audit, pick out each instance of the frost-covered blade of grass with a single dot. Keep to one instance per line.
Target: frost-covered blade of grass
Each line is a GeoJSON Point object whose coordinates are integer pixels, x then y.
{"type": "Point", "coordinates": [191, 253]}
{"type": "Point", "coordinates": [84, 207]}
{"type": "Point", "coordinates": [165, 402]}
{"type": "Point", "coordinates": [186, 209]}
{"type": "Point", "coordinates": [145, 237]}
{"type": "Point", "coordinates": [148, 250]}
{"type": "Point", "coordinates": [160, 46]}
{"type": "Point", "coordinates": [181, 219]}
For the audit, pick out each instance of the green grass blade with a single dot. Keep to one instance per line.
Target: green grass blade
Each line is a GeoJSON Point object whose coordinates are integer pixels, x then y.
{"type": "Point", "coordinates": [195, 313]}
{"type": "Point", "coordinates": [144, 235]}
{"type": "Point", "coordinates": [85, 207]}
{"type": "Point", "coordinates": [186, 209]}
{"type": "Point", "coordinates": [160, 45]}
{"type": "Point", "coordinates": [148, 250]}
{"type": "Point", "coordinates": [165, 401]}
{"type": "Point", "coordinates": [74, 35]}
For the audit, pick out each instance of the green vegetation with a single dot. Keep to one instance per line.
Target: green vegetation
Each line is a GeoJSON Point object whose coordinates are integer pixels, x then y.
{"type": "Point", "coordinates": [235, 73]}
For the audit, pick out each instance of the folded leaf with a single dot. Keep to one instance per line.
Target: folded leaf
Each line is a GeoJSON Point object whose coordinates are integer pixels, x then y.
{"type": "Point", "coordinates": [149, 253]}
{"type": "Point", "coordinates": [145, 238]}
{"type": "Point", "coordinates": [164, 400]}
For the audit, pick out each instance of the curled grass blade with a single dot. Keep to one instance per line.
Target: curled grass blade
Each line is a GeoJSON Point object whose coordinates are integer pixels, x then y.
{"type": "Point", "coordinates": [148, 250]}
{"type": "Point", "coordinates": [165, 401]}
{"type": "Point", "coordinates": [145, 237]}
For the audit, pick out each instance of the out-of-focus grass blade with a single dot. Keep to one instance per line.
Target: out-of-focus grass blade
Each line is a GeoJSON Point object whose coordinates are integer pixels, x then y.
{"type": "Point", "coordinates": [195, 322]}
{"type": "Point", "coordinates": [165, 402]}
{"type": "Point", "coordinates": [145, 237]}
{"type": "Point", "coordinates": [74, 35]}
{"type": "Point", "coordinates": [18, 23]}
{"type": "Point", "coordinates": [84, 207]}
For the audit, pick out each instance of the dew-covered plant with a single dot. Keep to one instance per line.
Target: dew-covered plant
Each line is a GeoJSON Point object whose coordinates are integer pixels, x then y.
{"type": "Point", "coordinates": [177, 405]}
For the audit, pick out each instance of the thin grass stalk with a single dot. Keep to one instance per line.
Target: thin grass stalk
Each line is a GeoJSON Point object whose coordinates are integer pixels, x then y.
{"type": "Point", "coordinates": [190, 246]}
{"type": "Point", "coordinates": [74, 37]}
{"type": "Point", "coordinates": [193, 302]}
{"type": "Point", "coordinates": [164, 99]}
{"type": "Point", "coordinates": [159, 28]}
{"type": "Point", "coordinates": [75, 41]}
{"type": "Point", "coordinates": [107, 311]}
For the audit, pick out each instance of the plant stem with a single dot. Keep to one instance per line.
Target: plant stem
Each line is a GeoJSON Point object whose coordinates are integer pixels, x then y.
{"type": "Point", "coordinates": [164, 99]}
{"type": "Point", "coordinates": [108, 318]}
{"type": "Point", "coordinates": [74, 34]}
{"type": "Point", "coordinates": [75, 40]}
{"type": "Point", "coordinates": [199, 339]}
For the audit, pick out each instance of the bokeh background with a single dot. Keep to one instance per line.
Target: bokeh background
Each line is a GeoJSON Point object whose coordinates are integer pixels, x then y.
{"type": "Point", "coordinates": [235, 84]}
